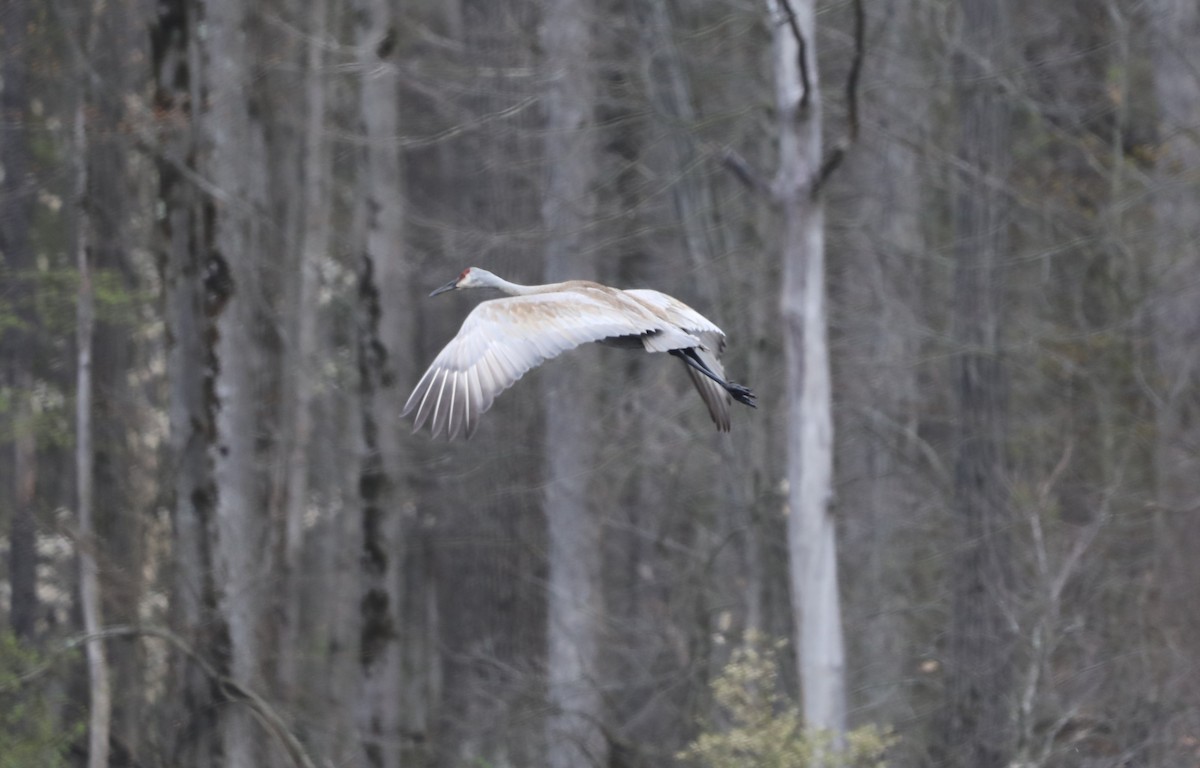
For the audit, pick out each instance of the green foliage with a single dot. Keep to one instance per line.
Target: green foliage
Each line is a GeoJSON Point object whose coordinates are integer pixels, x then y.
{"type": "Point", "coordinates": [31, 730]}
{"type": "Point", "coordinates": [47, 414]}
{"type": "Point", "coordinates": [47, 300]}
{"type": "Point", "coordinates": [766, 730]}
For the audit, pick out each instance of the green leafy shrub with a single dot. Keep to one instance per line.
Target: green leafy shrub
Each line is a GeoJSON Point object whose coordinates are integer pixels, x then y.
{"type": "Point", "coordinates": [31, 730]}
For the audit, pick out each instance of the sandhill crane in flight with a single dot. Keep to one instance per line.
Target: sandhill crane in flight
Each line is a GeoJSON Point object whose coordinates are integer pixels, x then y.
{"type": "Point", "coordinates": [503, 338]}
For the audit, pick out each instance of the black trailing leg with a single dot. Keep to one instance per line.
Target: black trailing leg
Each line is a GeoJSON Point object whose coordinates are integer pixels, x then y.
{"type": "Point", "coordinates": [742, 394]}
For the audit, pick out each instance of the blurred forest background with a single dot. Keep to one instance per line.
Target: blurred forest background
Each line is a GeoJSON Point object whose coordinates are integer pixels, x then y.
{"type": "Point", "coordinates": [219, 221]}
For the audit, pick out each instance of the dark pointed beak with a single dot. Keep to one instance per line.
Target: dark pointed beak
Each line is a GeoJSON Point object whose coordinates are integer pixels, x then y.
{"type": "Point", "coordinates": [450, 286]}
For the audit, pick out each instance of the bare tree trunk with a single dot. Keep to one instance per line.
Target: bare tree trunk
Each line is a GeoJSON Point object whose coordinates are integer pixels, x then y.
{"type": "Point", "coordinates": [696, 213]}
{"type": "Point", "coordinates": [99, 693]}
{"type": "Point", "coordinates": [17, 195]}
{"type": "Point", "coordinates": [728, 597]}
{"type": "Point", "coordinates": [23, 535]}
{"type": "Point", "coordinates": [812, 535]}
{"type": "Point", "coordinates": [235, 152]}
{"type": "Point", "coordinates": [574, 735]}
{"type": "Point", "coordinates": [114, 68]}
{"type": "Point", "coordinates": [186, 272]}
{"type": "Point", "coordinates": [1175, 297]}
{"type": "Point", "coordinates": [313, 247]}
{"type": "Point", "coordinates": [980, 672]}
{"type": "Point", "coordinates": [671, 93]}
{"type": "Point", "coordinates": [877, 310]}
{"type": "Point", "coordinates": [396, 628]}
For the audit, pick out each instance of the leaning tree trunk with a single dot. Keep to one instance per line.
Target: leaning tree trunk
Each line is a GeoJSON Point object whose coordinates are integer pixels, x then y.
{"type": "Point", "coordinates": [979, 669]}
{"type": "Point", "coordinates": [574, 736]}
{"type": "Point", "coordinates": [812, 535]}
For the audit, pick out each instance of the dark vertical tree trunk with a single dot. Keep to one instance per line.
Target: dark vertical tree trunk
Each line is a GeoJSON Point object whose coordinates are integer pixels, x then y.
{"type": "Point", "coordinates": [117, 51]}
{"type": "Point", "coordinates": [234, 154]}
{"type": "Point", "coordinates": [396, 617]}
{"type": "Point", "coordinates": [484, 538]}
{"type": "Point", "coordinates": [17, 195]}
{"type": "Point", "coordinates": [574, 735]}
{"type": "Point", "coordinates": [980, 671]}
{"type": "Point", "coordinates": [683, 250]}
{"type": "Point", "coordinates": [877, 312]}
{"type": "Point", "coordinates": [301, 351]}
{"type": "Point", "coordinates": [1175, 314]}
{"type": "Point", "coordinates": [193, 290]}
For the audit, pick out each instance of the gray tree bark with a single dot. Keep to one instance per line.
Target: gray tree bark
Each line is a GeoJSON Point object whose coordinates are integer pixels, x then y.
{"type": "Point", "coordinates": [193, 289]}
{"type": "Point", "coordinates": [235, 152]}
{"type": "Point", "coordinates": [114, 68]}
{"type": "Point", "coordinates": [878, 312]}
{"type": "Point", "coordinates": [1175, 318]}
{"type": "Point", "coordinates": [99, 690]}
{"type": "Point", "coordinates": [302, 363]}
{"type": "Point", "coordinates": [683, 248]}
{"type": "Point", "coordinates": [812, 535]}
{"type": "Point", "coordinates": [397, 620]}
{"type": "Point", "coordinates": [17, 195]}
{"type": "Point", "coordinates": [980, 671]}
{"type": "Point", "coordinates": [574, 735]}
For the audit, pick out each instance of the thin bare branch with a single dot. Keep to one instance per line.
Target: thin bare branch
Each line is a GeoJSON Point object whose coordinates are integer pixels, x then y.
{"type": "Point", "coordinates": [834, 159]}
{"type": "Point", "coordinates": [745, 173]}
{"type": "Point", "coordinates": [233, 690]}
{"type": "Point", "coordinates": [860, 25]}
{"type": "Point", "coordinates": [830, 164]}
{"type": "Point", "coordinates": [801, 52]}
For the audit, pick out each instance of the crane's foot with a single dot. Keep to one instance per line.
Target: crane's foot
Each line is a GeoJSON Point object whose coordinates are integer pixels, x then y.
{"type": "Point", "coordinates": [743, 395]}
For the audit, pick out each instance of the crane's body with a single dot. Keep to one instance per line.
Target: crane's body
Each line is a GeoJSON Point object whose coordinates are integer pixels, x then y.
{"type": "Point", "coordinates": [503, 338]}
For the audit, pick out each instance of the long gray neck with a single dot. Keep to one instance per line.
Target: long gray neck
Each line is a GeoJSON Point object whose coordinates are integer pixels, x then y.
{"type": "Point", "coordinates": [512, 289]}
{"type": "Point", "coordinates": [491, 280]}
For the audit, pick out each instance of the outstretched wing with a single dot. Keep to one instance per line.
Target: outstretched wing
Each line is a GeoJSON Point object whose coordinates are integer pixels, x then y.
{"type": "Point", "coordinates": [503, 338]}
{"type": "Point", "coordinates": [713, 339]}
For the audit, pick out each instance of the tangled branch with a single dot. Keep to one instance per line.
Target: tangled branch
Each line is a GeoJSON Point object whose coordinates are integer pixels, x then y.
{"type": "Point", "coordinates": [232, 689]}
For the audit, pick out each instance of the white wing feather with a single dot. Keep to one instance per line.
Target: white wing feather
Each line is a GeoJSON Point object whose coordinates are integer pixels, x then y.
{"type": "Point", "coordinates": [501, 339]}
{"type": "Point", "coordinates": [683, 316]}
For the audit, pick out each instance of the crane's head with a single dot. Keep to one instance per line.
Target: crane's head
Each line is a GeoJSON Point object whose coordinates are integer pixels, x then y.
{"type": "Point", "coordinates": [471, 277]}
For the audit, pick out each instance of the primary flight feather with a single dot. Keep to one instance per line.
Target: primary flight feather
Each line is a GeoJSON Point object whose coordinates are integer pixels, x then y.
{"type": "Point", "coordinates": [503, 338]}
